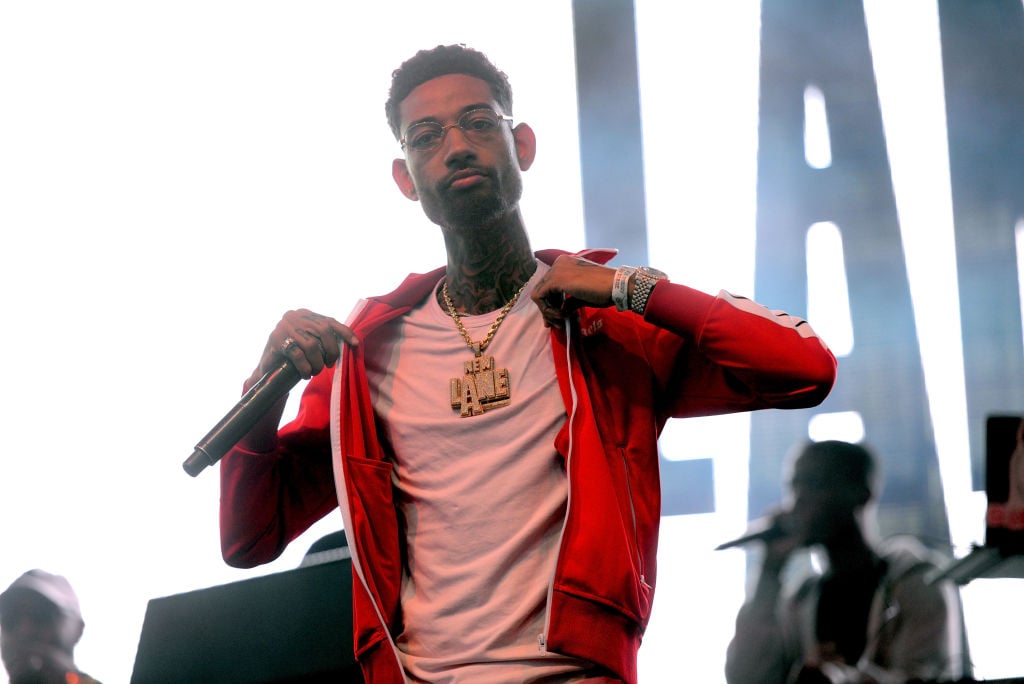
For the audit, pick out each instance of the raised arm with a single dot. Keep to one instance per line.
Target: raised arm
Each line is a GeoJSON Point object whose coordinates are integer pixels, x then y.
{"type": "Point", "coordinates": [739, 354]}
{"type": "Point", "coordinates": [775, 358]}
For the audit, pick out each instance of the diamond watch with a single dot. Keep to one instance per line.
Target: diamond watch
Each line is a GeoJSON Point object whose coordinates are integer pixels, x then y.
{"type": "Point", "coordinates": [644, 281]}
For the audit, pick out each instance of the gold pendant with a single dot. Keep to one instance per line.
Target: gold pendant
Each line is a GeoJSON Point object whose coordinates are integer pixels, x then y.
{"type": "Point", "coordinates": [481, 387]}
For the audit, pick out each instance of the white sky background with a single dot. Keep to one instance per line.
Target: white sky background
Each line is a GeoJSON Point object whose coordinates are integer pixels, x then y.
{"type": "Point", "coordinates": [174, 176]}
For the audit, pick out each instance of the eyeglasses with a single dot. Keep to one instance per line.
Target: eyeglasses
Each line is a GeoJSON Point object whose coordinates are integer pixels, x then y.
{"type": "Point", "coordinates": [479, 125]}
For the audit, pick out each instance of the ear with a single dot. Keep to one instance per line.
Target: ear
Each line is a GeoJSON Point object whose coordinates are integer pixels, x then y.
{"type": "Point", "coordinates": [400, 172]}
{"type": "Point", "coordinates": [526, 145]}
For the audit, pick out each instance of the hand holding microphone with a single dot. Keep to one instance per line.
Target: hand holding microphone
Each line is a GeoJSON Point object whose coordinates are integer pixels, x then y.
{"type": "Point", "coordinates": [308, 340]}
{"type": "Point", "coordinates": [302, 345]}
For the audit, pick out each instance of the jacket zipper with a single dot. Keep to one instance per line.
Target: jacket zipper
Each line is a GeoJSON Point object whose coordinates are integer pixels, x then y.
{"type": "Point", "coordinates": [357, 565]}
{"type": "Point", "coordinates": [542, 638]}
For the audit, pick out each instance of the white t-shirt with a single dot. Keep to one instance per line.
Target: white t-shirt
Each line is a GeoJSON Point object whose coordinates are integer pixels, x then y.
{"type": "Point", "coordinates": [483, 497]}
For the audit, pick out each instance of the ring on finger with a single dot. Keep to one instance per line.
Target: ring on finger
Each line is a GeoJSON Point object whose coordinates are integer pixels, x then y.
{"type": "Point", "coordinates": [287, 345]}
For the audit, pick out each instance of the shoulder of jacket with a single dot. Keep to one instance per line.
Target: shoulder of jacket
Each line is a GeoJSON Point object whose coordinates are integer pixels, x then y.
{"type": "Point", "coordinates": [599, 255]}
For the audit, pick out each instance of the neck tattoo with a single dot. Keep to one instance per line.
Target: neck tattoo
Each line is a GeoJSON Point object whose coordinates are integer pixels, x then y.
{"type": "Point", "coordinates": [482, 385]}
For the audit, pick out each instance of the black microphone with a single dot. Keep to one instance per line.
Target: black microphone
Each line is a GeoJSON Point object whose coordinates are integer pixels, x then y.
{"type": "Point", "coordinates": [776, 529]}
{"type": "Point", "coordinates": [239, 420]}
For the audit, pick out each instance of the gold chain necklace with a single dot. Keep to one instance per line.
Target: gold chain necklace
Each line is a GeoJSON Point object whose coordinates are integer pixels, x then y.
{"type": "Point", "coordinates": [482, 385]}
{"type": "Point", "coordinates": [478, 347]}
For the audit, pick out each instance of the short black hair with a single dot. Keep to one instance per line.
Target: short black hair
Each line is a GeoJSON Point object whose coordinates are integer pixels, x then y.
{"type": "Point", "coordinates": [440, 61]}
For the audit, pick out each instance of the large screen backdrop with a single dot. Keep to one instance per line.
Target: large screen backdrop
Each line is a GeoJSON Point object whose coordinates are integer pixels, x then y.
{"type": "Point", "coordinates": [824, 48]}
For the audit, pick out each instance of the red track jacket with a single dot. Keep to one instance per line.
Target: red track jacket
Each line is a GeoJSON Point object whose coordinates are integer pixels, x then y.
{"type": "Point", "coordinates": [621, 377]}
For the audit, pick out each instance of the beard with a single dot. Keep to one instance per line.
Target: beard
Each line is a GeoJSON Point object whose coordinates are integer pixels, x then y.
{"type": "Point", "coordinates": [472, 209]}
{"type": "Point", "coordinates": [483, 204]}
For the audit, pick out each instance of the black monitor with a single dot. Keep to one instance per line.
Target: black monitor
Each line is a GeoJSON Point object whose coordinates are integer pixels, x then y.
{"type": "Point", "coordinates": [293, 626]}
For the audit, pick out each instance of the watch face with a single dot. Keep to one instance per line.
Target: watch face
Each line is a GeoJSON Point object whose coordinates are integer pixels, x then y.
{"type": "Point", "coordinates": [653, 272]}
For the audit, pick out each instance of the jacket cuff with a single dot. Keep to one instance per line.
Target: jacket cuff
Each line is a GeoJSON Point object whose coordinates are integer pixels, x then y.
{"type": "Point", "coordinates": [678, 308]}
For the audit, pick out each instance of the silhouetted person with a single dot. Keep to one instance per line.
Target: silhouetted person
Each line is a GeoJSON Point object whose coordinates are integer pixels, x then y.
{"type": "Point", "coordinates": [871, 615]}
{"type": "Point", "coordinates": [40, 625]}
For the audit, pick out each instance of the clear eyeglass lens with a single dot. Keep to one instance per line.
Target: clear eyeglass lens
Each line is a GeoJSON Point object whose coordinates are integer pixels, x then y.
{"type": "Point", "coordinates": [477, 124]}
{"type": "Point", "coordinates": [479, 121]}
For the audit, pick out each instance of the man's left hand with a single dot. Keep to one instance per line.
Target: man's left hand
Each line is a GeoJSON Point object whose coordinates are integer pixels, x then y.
{"type": "Point", "coordinates": [570, 283]}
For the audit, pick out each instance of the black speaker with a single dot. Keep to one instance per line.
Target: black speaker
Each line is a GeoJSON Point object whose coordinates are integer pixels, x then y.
{"type": "Point", "coordinates": [293, 626]}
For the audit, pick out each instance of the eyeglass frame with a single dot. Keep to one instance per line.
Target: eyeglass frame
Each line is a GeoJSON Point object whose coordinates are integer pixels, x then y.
{"type": "Point", "coordinates": [446, 127]}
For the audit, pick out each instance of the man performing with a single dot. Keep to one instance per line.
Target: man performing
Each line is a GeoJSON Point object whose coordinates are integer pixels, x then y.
{"type": "Point", "coordinates": [490, 431]}
{"type": "Point", "coordinates": [872, 617]}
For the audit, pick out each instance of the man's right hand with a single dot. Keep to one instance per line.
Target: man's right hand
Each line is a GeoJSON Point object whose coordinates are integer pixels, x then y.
{"type": "Point", "coordinates": [310, 341]}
